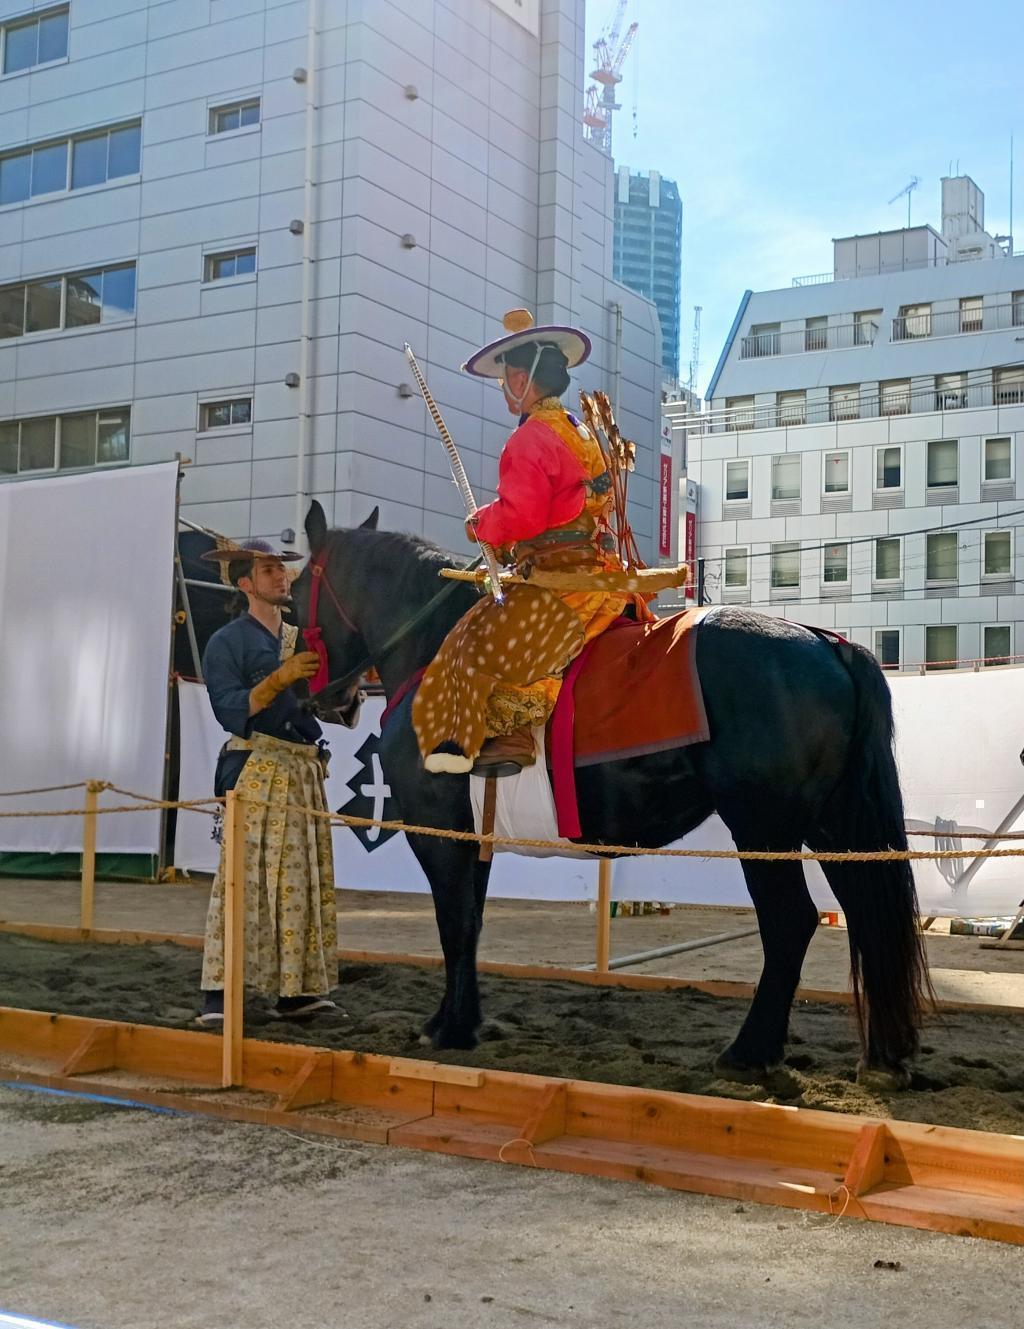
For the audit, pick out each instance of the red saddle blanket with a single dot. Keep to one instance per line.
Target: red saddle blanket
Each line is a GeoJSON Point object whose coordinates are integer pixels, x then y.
{"type": "Point", "coordinates": [631, 691]}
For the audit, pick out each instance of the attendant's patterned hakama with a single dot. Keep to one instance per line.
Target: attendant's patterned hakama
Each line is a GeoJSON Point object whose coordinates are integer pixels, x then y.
{"type": "Point", "coordinates": [290, 911]}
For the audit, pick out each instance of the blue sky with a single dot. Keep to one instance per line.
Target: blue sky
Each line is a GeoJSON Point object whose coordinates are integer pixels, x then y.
{"type": "Point", "coordinates": [787, 123]}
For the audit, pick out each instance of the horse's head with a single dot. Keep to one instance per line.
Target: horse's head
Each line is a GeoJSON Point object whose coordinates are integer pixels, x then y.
{"type": "Point", "coordinates": [324, 618]}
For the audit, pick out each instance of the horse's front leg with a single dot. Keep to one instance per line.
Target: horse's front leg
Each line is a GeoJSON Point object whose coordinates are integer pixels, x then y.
{"type": "Point", "coordinates": [458, 884]}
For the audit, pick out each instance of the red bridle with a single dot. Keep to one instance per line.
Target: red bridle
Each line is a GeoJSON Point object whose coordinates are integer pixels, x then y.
{"type": "Point", "coordinates": [312, 632]}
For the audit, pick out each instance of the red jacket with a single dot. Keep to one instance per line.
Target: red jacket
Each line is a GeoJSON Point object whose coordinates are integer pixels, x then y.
{"type": "Point", "coordinates": [540, 487]}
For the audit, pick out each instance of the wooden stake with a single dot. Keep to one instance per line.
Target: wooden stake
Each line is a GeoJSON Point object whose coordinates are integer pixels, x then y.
{"type": "Point", "coordinates": [234, 937]}
{"type": "Point", "coordinates": [604, 915]}
{"type": "Point", "coordinates": [85, 911]}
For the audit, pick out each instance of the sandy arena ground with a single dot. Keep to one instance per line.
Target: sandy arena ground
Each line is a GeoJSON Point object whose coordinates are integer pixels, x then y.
{"type": "Point", "coordinates": [970, 1072]}
{"type": "Point", "coordinates": [114, 1218]}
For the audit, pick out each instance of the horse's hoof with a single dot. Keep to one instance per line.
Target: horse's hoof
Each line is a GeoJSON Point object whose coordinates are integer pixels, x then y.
{"type": "Point", "coordinates": [455, 1040]}
{"type": "Point", "coordinates": [883, 1079]}
{"type": "Point", "coordinates": [728, 1067]}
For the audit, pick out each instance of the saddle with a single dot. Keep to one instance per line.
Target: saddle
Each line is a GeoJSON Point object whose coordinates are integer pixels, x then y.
{"type": "Point", "coordinates": [633, 690]}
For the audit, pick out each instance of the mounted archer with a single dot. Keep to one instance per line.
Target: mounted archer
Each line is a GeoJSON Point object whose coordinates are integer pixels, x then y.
{"type": "Point", "coordinates": [497, 675]}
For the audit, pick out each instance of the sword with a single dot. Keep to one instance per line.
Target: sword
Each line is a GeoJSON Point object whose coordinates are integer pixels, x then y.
{"type": "Point", "coordinates": [458, 473]}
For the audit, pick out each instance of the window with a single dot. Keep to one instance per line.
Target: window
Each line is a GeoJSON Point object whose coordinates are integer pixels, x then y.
{"type": "Point", "coordinates": [837, 472]}
{"type": "Point", "coordinates": [970, 313]}
{"type": "Point", "coordinates": [221, 414]}
{"type": "Point", "coordinates": [792, 408]}
{"type": "Point", "coordinates": [942, 464]}
{"type": "Point", "coordinates": [914, 321]}
{"type": "Point", "coordinates": [235, 115]}
{"type": "Point", "coordinates": [233, 263]}
{"type": "Point", "coordinates": [998, 645]}
{"type": "Point", "coordinates": [998, 457]}
{"type": "Point", "coordinates": [940, 646]}
{"type": "Point", "coordinates": [888, 468]}
{"type": "Point", "coordinates": [1008, 385]}
{"type": "Point", "coordinates": [950, 392]}
{"type": "Point", "coordinates": [104, 295]}
{"type": "Point", "coordinates": [887, 647]}
{"type": "Point", "coordinates": [739, 412]}
{"type": "Point", "coordinates": [64, 442]}
{"type": "Point", "coordinates": [785, 560]}
{"type": "Point", "coordinates": [736, 574]}
{"type": "Point", "coordinates": [35, 41]}
{"type": "Point", "coordinates": [941, 556]}
{"type": "Point", "coordinates": [737, 481]}
{"type": "Point", "coordinates": [816, 334]}
{"type": "Point", "coordinates": [865, 326]}
{"type": "Point", "coordinates": [106, 156]}
{"type": "Point", "coordinates": [786, 476]}
{"type": "Point", "coordinates": [998, 554]}
{"type": "Point", "coordinates": [836, 565]}
{"type": "Point", "coordinates": [844, 402]}
{"type": "Point", "coordinates": [887, 558]}
{"type": "Point", "coordinates": [894, 397]}
{"type": "Point", "coordinates": [1017, 309]}
{"type": "Point", "coordinates": [94, 159]}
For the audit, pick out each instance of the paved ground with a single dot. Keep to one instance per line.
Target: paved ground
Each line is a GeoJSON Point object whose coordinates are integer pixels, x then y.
{"type": "Point", "coordinates": [117, 1219]}
{"type": "Point", "coordinates": [531, 932]}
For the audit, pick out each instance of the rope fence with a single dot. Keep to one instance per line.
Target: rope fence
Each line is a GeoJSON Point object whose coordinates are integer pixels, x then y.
{"type": "Point", "coordinates": [235, 807]}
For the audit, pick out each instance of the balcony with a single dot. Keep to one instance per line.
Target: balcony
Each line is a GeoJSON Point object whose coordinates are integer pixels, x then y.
{"type": "Point", "coordinates": [958, 322]}
{"type": "Point", "coordinates": [837, 337]}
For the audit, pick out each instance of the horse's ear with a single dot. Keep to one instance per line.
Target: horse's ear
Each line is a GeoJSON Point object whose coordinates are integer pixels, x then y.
{"type": "Point", "coordinates": [316, 527]}
{"type": "Point", "coordinates": [370, 524]}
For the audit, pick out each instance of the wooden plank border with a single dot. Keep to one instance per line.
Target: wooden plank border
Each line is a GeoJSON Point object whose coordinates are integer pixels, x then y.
{"type": "Point", "coordinates": [930, 1177]}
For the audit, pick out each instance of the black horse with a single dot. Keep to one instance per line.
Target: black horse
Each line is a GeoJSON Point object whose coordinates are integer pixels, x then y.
{"type": "Point", "coordinates": [800, 754]}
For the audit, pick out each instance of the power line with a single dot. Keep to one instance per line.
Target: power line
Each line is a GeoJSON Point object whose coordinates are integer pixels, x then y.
{"type": "Point", "coordinates": [991, 519]}
{"type": "Point", "coordinates": [881, 596]}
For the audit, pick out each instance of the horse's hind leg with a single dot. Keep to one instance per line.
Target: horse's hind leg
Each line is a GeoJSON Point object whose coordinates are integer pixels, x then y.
{"type": "Point", "coordinates": [458, 883]}
{"type": "Point", "coordinates": [786, 919]}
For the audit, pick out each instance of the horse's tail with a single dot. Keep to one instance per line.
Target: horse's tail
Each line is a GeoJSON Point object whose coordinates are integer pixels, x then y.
{"type": "Point", "coordinates": [891, 986]}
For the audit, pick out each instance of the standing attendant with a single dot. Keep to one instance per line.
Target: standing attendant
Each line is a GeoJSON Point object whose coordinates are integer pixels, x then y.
{"type": "Point", "coordinates": [274, 757]}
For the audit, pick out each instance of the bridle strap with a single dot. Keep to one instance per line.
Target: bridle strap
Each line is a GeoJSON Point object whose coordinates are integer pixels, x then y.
{"type": "Point", "coordinates": [314, 640]}
{"type": "Point", "coordinates": [312, 632]}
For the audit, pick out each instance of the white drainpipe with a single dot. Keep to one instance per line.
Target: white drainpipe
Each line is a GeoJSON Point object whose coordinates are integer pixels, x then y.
{"type": "Point", "coordinates": [302, 495]}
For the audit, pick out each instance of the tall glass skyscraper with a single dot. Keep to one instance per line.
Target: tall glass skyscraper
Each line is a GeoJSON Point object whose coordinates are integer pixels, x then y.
{"type": "Point", "coordinates": [647, 253]}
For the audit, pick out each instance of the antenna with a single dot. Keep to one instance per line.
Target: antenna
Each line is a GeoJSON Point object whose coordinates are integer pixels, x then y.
{"type": "Point", "coordinates": [1011, 196]}
{"type": "Point", "coordinates": [695, 348]}
{"type": "Point", "coordinates": [908, 190]}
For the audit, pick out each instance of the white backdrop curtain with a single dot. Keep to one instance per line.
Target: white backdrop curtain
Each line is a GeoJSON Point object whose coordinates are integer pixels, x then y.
{"type": "Point", "coordinates": [958, 739]}
{"type": "Point", "coordinates": [86, 565]}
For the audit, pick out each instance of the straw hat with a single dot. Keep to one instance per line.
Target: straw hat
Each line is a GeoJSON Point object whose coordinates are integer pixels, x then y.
{"type": "Point", "coordinates": [488, 362]}
{"type": "Point", "coordinates": [227, 552]}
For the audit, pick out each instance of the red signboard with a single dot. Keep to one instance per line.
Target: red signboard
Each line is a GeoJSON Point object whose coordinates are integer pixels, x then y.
{"type": "Point", "coordinates": [665, 515]}
{"type": "Point", "coordinates": [691, 553]}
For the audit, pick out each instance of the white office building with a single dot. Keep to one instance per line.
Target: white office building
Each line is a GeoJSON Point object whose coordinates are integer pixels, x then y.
{"type": "Point", "coordinates": [220, 220]}
{"type": "Point", "coordinates": [860, 465]}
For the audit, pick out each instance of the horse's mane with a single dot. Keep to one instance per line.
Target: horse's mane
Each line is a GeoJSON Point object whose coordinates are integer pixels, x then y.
{"type": "Point", "coordinates": [410, 563]}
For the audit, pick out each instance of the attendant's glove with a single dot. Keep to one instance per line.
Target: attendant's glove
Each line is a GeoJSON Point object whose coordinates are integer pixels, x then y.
{"type": "Point", "coordinates": [304, 664]}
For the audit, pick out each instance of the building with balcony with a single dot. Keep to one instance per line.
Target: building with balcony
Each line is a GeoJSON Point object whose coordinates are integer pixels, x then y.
{"type": "Point", "coordinates": [859, 466]}
{"type": "Point", "coordinates": [218, 229]}
{"type": "Point", "coordinates": [647, 253]}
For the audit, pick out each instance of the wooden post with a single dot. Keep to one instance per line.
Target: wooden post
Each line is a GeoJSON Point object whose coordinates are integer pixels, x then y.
{"type": "Point", "coordinates": [604, 915]}
{"type": "Point", "coordinates": [85, 908]}
{"type": "Point", "coordinates": [234, 937]}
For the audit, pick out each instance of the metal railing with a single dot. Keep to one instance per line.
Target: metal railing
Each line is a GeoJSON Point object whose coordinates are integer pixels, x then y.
{"type": "Point", "coordinates": [815, 279]}
{"type": "Point", "coordinates": [836, 337]}
{"type": "Point", "coordinates": [866, 406]}
{"type": "Point", "coordinates": [957, 322]}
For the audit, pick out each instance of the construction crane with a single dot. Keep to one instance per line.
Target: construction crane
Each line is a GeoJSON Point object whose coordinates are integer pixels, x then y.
{"type": "Point", "coordinates": [908, 190]}
{"type": "Point", "coordinates": [695, 350]}
{"type": "Point", "coordinates": [610, 51]}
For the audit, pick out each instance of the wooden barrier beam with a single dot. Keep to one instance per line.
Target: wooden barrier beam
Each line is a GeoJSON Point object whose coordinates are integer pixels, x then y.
{"type": "Point", "coordinates": [930, 1177]}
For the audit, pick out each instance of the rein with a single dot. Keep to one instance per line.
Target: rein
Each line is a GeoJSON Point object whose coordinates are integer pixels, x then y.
{"type": "Point", "coordinates": [313, 633]}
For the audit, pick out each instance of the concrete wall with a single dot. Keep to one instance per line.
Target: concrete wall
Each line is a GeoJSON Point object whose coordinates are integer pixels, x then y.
{"type": "Point", "coordinates": [485, 168]}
